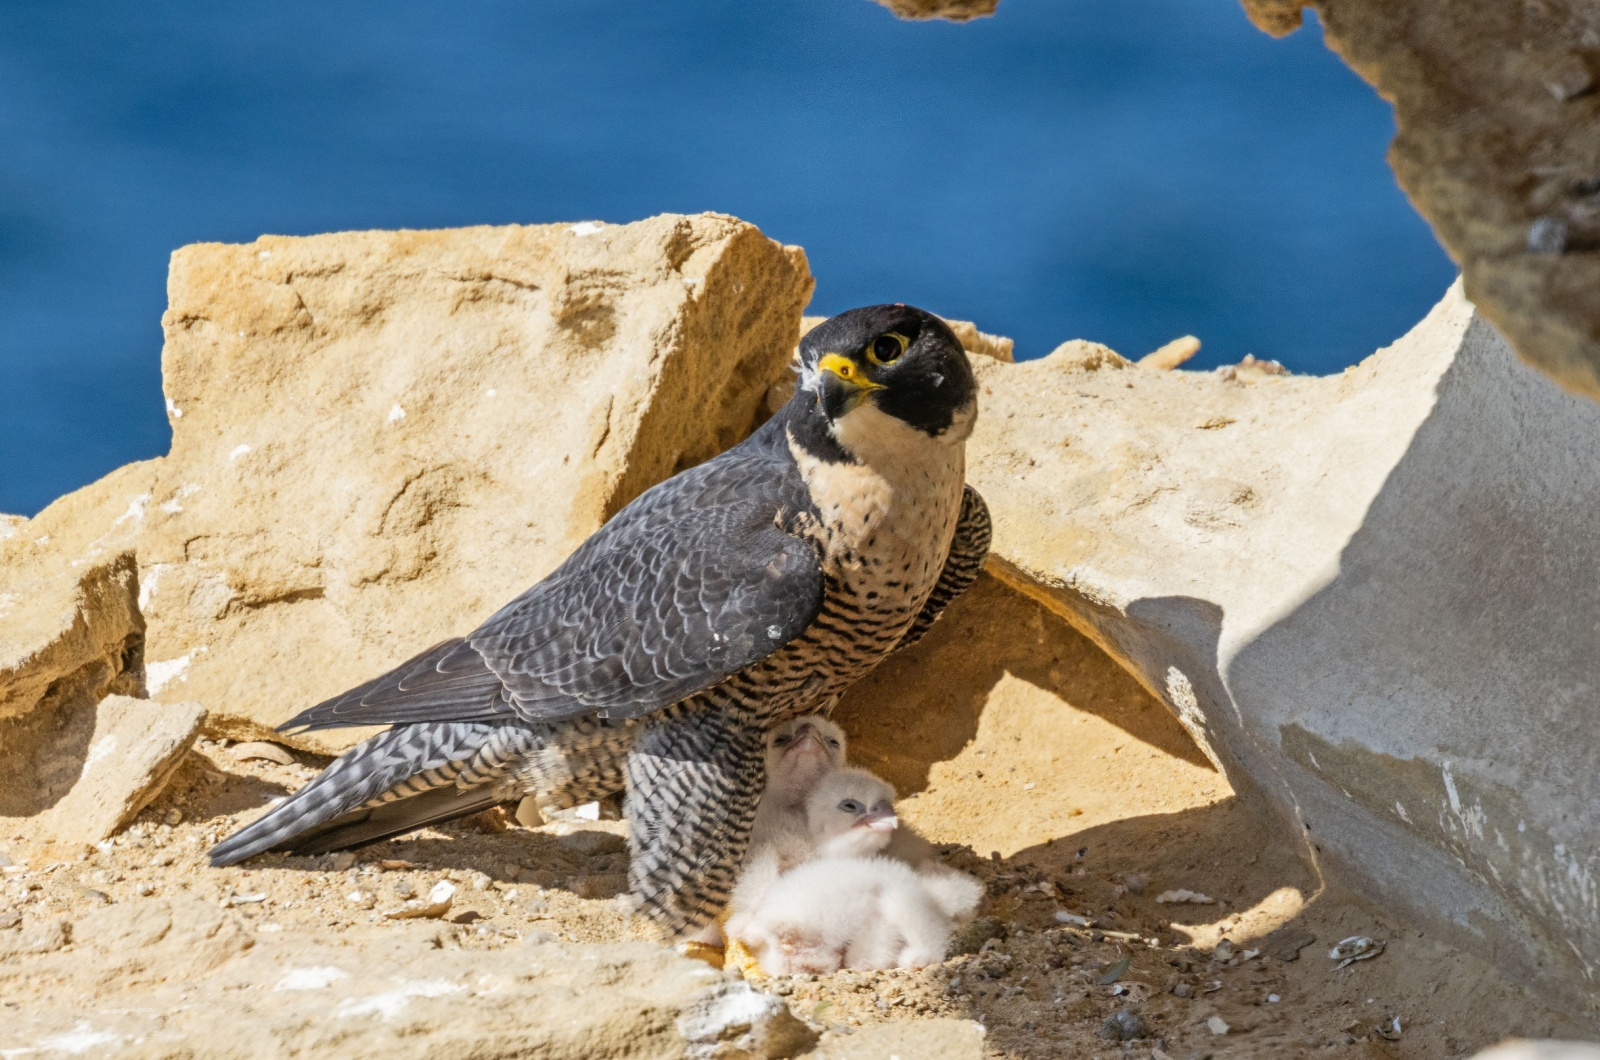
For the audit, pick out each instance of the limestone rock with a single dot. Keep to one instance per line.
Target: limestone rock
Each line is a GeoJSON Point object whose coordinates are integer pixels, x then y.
{"type": "Point", "coordinates": [1371, 598]}
{"type": "Point", "coordinates": [1171, 355]}
{"type": "Point", "coordinates": [927, 1039]}
{"type": "Point", "coordinates": [1541, 1050]}
{"type": "Point", "coordinates": [982, 343]}
{"type": "Point", "coordinates": [1497, 136]}
{"type": "Point", "coordinates": [162, 979]}
{"type": "Point", "coordinates": [131, 753]}
{"type": "Point", "coordinates": [954, 10]}
{"type": "Point", "coordinates": [379, 438]}
{"type": "Point", "coordinates": [69, 619]}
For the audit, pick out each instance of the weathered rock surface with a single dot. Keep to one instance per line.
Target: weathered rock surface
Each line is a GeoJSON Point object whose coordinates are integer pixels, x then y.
{"type": "Point", "coordinates": [934, 1039]}
{"type": "Point", "coordinates": [162, 978]}
{"type": "Point", "coordinates": [70, 626]}
{"type": "Point", "coordinates": [1498, 144]}
{"type": "Point", "coordinates": [1543, 1050]}
{"type": "Point", "coordinates": [1370, 597]}
{"type": "Point", "coordinates": [381, 437]}
{"type": "Point", "coordinates": [133, 748]}
{"type": "Point", "coordinates": [70, 634]}
{"type": "Point", "coordinates": [954, 10]}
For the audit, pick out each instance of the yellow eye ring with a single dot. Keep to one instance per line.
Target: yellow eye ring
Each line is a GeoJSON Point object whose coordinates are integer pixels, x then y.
{"type": "Point", "coordinates": [887, 348]}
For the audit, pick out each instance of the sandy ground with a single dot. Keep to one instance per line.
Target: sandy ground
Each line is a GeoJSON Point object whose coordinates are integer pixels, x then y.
{"type": "Point", "coordinates": [1033, 761]}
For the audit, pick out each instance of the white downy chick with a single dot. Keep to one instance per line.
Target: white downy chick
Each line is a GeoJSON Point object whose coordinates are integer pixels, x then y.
{"type": "Point", "coordinates": [851, 815]}
{"type": "Point", "coordinates": [848, 908]}
{"type": "Point", "coordinates": [799, 753]}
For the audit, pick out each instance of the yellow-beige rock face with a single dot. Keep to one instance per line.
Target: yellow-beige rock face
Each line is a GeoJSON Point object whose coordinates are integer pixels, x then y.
{"type": "Point", "coordinates": [70, 626]}
{"type": "Point", "coordinates": [132, 748]}
{"type": "Point", "coordinates": [1369, 597]}
{"type": "Point", "coordinates": [381, 437]}
{"type": "Point", "coordinates": [162, 978]}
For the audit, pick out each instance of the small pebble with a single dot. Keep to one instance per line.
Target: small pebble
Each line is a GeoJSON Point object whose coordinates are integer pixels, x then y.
{"type": "Point", "coordinates": [1218, 1025]}
{"type": "Point", "coordinates": [1124, 1025]}
{"type": "Point", "coordinates": [1547, 235]}
{"type": "Point", "coordinates": [1183, 990]}
{"type": "Point", "coordinates": [1568, 77]}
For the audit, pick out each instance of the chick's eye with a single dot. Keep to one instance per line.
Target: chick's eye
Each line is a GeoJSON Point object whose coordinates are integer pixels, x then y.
{"type": "Point", "coordinates": [887, 348]}
{"type": "Point", "coordinates": [851, 806]}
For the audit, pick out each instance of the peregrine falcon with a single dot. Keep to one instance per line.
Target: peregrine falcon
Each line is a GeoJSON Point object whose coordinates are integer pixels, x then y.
{"type": "Point", "coordinates": [735, 595]}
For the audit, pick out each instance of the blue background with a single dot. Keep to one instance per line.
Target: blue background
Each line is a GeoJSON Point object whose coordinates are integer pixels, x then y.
{"type": "Point", "coordinates": [1121, 170]}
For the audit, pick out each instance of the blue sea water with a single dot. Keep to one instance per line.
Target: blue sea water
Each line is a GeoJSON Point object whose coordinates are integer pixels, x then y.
{"type": "Point", "coordinates": [1121, 170]}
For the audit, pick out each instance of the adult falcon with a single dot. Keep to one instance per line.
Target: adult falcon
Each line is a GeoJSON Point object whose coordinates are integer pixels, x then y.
{"type": "Point", "coordinates": [729, 598]}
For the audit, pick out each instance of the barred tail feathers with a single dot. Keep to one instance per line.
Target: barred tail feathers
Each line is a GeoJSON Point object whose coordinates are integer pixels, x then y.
{"type": "Point", "coordinates": [406, 760]}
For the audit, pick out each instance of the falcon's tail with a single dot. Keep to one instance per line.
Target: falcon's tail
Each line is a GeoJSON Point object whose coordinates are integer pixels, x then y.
{"type": "Point", "coordinates": [392, 783]}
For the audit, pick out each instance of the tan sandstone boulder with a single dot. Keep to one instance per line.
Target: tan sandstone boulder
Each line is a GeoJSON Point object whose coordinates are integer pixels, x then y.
{"type": "Point", "coordinates": [381, 437]}
{"type": "Point", "coordinates": [1372, 598]}
{"type": "Point", "coordinates": [70, 634]}
{"type": "Point", "coordinates": [163, 978]}
{"type": "Point", "coordinates": [133, 748]}
{"type": "Point", "coordinates": [69, 618]}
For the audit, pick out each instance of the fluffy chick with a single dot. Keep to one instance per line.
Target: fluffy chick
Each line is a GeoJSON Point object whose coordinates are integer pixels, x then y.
{"type": "Point", "coordinates": [850, 908]}
{"type": "Point", "coordinates": [800, 752]}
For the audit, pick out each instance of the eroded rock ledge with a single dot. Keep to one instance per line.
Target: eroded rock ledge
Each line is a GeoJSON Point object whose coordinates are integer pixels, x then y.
{"type": "Point", "coordinates": [1370, 597]}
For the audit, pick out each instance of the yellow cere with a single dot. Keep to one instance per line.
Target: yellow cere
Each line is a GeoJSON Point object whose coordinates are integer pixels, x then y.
{"type": "Point", "coordinates": [848, 370]}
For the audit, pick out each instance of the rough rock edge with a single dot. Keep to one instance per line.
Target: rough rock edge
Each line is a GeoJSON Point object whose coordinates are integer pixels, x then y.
{"type": "Point", "coordinates": [1489, 143]}
{"type": "Point", "coordinates": [1144, 590]}
{"type": "Point", "coordinates": [952, 10]}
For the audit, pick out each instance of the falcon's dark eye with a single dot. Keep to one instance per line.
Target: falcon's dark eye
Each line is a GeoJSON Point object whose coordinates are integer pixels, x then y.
{"type": "Point", "coordinates": [887, 348]}
{"type": "Point", "coordinates": [852, 806]}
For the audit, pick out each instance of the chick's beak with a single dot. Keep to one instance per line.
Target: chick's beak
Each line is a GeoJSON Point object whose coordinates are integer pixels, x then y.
{"type": "Point", "coordinates": [881, 821]}
{"type": "Point", "coordinates": [808, 741]}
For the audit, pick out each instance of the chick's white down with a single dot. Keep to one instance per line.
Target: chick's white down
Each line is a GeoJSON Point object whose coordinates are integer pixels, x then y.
{"type": "Point", "coordinates": [849, 906]}
{"type": "Point", "coordinates": [800, 752]}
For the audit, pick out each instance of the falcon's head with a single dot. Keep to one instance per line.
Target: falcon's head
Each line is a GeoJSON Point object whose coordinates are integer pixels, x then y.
{"type": "Point", "coordinates": [889, 360]}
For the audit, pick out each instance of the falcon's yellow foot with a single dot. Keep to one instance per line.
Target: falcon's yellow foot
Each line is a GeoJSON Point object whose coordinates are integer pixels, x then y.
{"type": "Point", "coordinates": [712, 954]}
{"type": "Point", "coordinates": [741, 960]}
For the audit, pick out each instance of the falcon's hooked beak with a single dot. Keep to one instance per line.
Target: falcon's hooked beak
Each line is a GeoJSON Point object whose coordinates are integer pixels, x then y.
{"type": "Point", "coordinates": [841, 385]}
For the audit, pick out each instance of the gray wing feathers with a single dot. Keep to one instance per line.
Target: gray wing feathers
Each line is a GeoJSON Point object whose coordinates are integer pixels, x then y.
{"type": "Point", "coordinates": [682, 589]}
{"type": "Point", "coordinates": [694, 581]}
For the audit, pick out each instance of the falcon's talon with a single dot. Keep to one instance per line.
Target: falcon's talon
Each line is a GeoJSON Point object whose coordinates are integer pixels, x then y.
{"type": "Point", "coordinates": [703, 951]}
